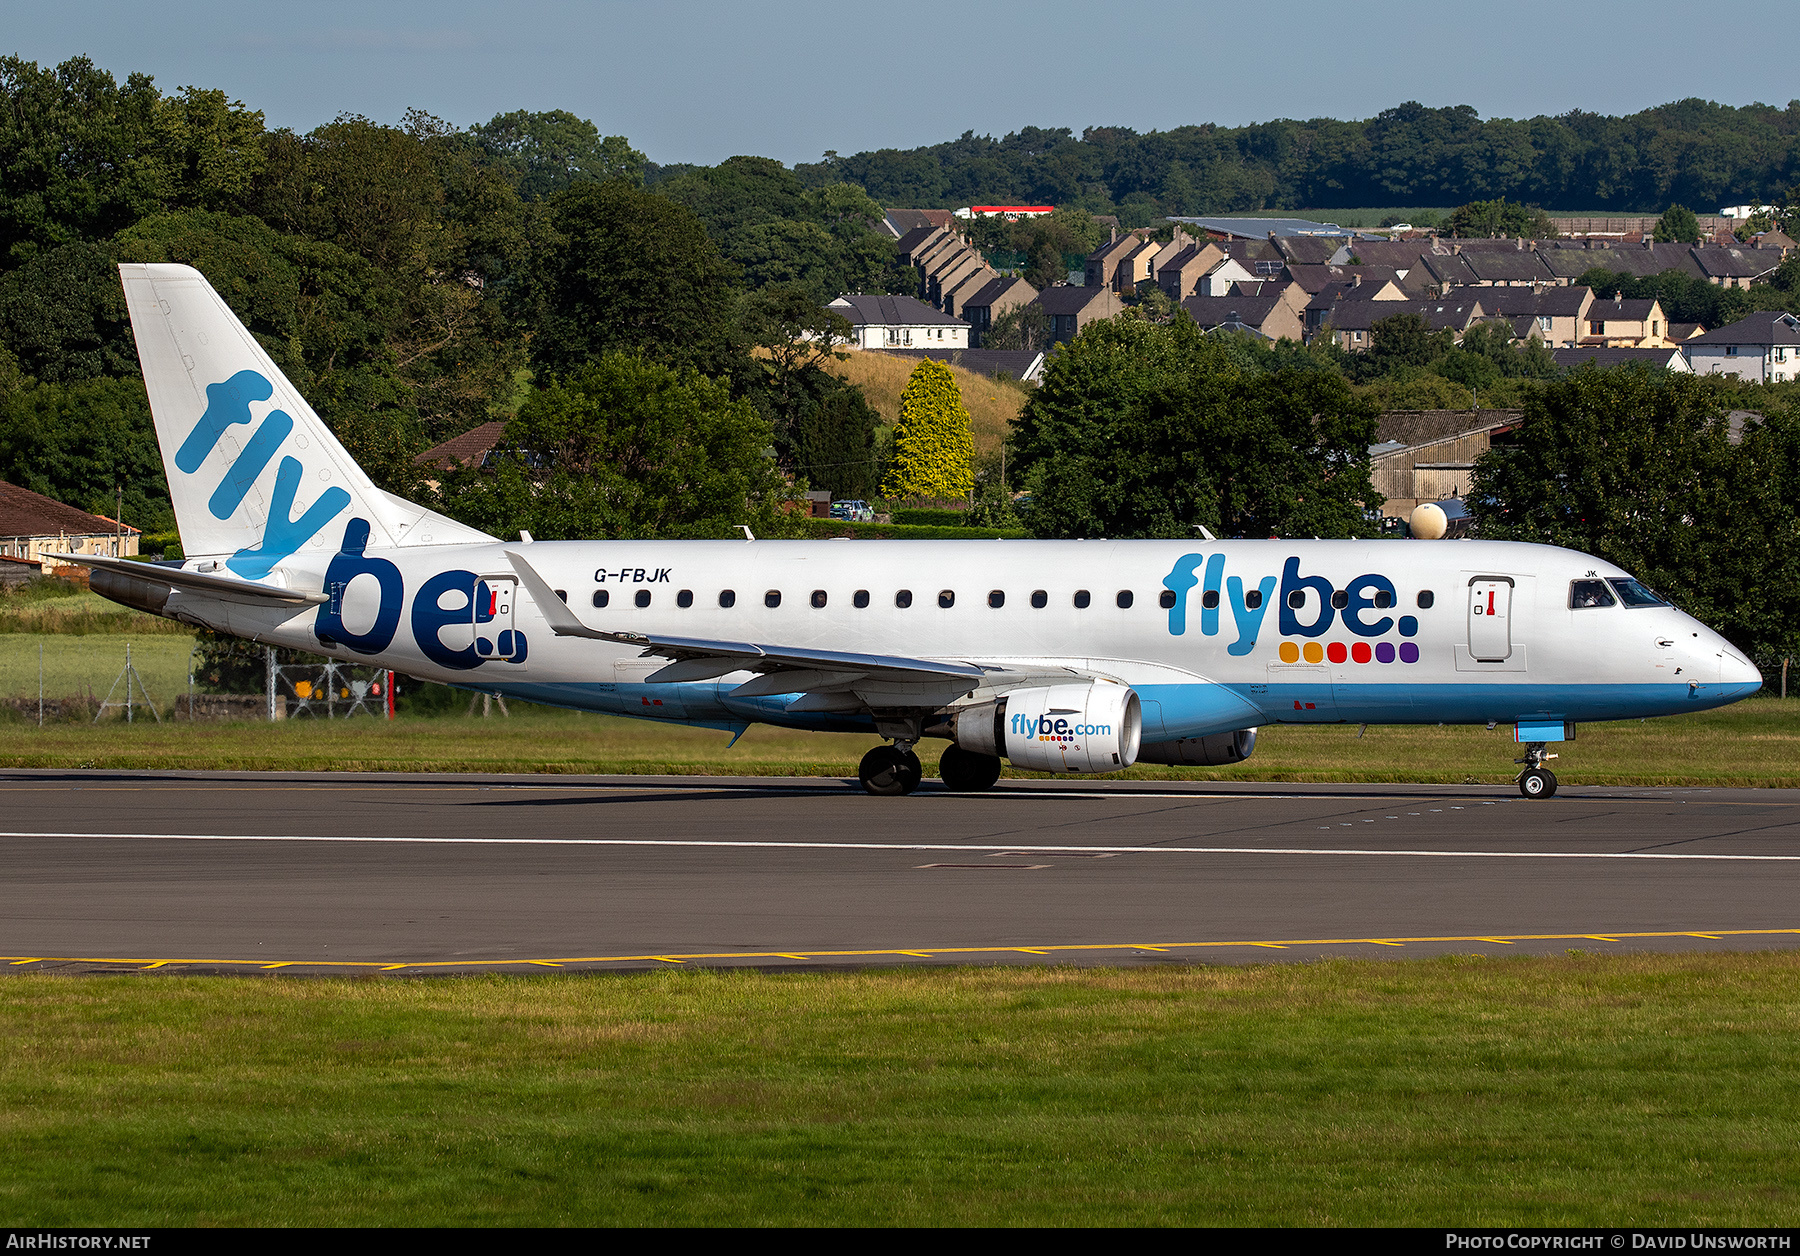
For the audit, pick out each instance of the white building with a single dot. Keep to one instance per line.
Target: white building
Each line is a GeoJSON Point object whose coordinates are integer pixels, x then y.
{"type": "Point", "coordinates": [882, 322]}
{"type": "Point", "coordinates": [1764, 347]}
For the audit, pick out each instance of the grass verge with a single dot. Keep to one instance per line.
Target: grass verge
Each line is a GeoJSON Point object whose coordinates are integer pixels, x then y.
{"type": "Point", "coordinates": [1755, 743]}
{"type": "Point", "coordinates": [1650, 1090]}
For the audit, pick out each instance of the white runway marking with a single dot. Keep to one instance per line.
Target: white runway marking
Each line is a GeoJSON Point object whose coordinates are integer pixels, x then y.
{"type": "Point", "coordinates": [1009, 848]}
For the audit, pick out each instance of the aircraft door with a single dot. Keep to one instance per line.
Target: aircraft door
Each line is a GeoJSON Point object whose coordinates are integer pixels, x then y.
{"type": "Point", "coordinates": [1490, 619]}
{"type": "Point", "coordinates": [493, 602]}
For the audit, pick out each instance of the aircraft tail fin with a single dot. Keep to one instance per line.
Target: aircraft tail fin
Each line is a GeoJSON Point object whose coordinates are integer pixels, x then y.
{"type": "Point", "coordinates": [254, 474]}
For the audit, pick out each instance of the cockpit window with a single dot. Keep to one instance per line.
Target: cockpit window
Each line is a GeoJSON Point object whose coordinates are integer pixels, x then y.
{"type": "Point", "coordinates": [1634, 594]}
{"type": "Point", "coordinates": [1585, 593]}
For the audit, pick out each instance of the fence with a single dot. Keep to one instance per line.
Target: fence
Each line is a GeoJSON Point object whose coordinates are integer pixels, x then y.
{"type": "Point", "coordinates": [51, 679]}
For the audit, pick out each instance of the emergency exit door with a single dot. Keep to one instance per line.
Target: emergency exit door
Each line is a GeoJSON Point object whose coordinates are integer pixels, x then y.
{"type": "Point", "coordinates": [1490, 619]}
{"type": "Point", "coordinates": [492, 602]}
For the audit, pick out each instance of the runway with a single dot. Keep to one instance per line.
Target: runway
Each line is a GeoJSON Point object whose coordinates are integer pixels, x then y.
{"type": "Point", "coordinates": [350, 873]}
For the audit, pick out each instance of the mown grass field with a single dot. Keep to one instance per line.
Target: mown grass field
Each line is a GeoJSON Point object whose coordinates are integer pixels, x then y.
{"type": "Point", "coordinates": [1649, 1090]}
{"type": "Point", "coordinates": [1753, 743]}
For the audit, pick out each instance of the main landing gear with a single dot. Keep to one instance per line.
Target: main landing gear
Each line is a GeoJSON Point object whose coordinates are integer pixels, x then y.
{"type": "Point", "coordinates": [965, 772]}
{"type": "Point", "coordinates": [1536, 781]}
{"type": "Point", "coordinates": [895, 769]}
{"type": "Point", "coordinates": [890, 770]}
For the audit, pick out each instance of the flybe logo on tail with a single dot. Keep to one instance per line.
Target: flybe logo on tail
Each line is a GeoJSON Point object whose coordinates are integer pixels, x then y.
{"type": "Point", "coordinates": [228, 404]}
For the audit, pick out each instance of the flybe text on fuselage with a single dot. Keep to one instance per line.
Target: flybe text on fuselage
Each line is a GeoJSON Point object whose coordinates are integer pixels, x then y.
{"type": "Point", "coordinates": [1360, 607]}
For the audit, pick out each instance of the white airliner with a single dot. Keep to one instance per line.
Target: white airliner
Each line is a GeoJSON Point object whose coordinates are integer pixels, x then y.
{"type": "Point", "coordinates": [1060, 656]}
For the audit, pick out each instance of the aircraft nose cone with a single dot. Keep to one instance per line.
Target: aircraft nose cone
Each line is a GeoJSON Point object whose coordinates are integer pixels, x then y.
{"type": "Point", "coordinates": [1736, 670]}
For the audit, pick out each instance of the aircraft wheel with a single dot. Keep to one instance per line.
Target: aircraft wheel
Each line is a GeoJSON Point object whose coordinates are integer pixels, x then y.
{"type": "Point", "coordinates": [965, 772]}
{"type": "Point", "coordinates": [889, 770]}
{"type": "Point", "coordinates": [1538, 783]}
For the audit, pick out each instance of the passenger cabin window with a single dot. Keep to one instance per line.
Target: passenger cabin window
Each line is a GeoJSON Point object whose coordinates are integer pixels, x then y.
{"type": "Point", "coordinates": [1039, 599]}
{"type": "Point", "coordinates": [1340, 599]}
{"type": "Point", "coordinates": [903, 599]}
{"type": "Point", "coordinates": [772, 598]}
{"type": "Point", "coordinates": [1588, 593]}
{"type": "Point", "coordinates": [1167, 599]}
{"type": "Point", "coordinates": [684, 599]}
{"type": "Point", "coordinates": [1297, 598]}
{"type": "Point", "coordinates": [1082, 598]}
{"type": "Point", "coordinates": [643, 597]}
{"type": "Point", "coordinates": [1426, 598]}
{"type": "Point", "coordinates": [563, 594]}
{"type": "Point", "coordinates": [946, 599]}
{"type": "Point", "coordinates": [1124, 599]}
{"type": "Point", "coordinates": [601, 597]}
{"type": "Point", "coordinates": [818, 598]}
{"type": "Point", "coordinates": [1634, 594]}
{"type": "Point", "coordinates": [728, 598]}
{"type": "Point", "coordinates": [1252, 599]}
{"type": "Point", "coordinates": [860, 599]}
{"type": "Point", "coordinates": [997, 599]}
{"type": "Point", "coordinates": [1210, 599]}
{"type": "Point", "coordinates": [1383, 599]}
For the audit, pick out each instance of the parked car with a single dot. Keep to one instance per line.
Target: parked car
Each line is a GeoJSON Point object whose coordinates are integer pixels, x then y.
{"type": "Point", "coordinates": [852, 511]}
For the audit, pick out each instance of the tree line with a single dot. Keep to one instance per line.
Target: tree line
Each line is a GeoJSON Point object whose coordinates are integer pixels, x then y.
{"type": "Point", "coordinates": [414, 281]}
{"type": "Point", "coordinates": [1693, 152]}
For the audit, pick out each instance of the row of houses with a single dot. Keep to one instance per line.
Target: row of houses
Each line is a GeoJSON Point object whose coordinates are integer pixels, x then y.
{"type": "Point", "coordinates": [1577, 327]}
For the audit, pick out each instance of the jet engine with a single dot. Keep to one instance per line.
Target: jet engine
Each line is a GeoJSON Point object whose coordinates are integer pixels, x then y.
{"type": "Point", "coordinates": [1091, 727]}
{"type": "Point", "coordinates": [1214, 751]}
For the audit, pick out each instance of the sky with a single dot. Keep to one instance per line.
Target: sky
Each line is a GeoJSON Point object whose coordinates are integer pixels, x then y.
{"type": "Point", "coordinates": [700, 80]}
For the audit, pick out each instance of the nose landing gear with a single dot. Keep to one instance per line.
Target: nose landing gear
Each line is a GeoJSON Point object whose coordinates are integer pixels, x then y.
{"type": "Point", "coordinates": [1536, 781]}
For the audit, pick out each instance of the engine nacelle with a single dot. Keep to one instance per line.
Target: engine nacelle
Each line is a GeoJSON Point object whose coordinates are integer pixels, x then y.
{"type": "Point", "coordinates": [1090, 727]}
{"type": "Point", "coordinates": [1214, 751]}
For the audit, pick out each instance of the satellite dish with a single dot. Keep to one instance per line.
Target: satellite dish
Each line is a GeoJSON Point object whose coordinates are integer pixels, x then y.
{"type": "Point", "coordinates": [1429, 522]}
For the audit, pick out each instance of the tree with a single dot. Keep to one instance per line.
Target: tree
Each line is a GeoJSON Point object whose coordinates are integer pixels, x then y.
{"type": "Point", "coordinates": [63, 315]}
{"type": "Point", "coordinates": [82, 442]}
{"type": "Point", "coordinates": [626, 447]}
{"type": "Point", "coordinates": [1502, 218]}
{"type": "Point", "coordinates": [625, 269]}
{"type": "Point", "coordinates": [1638, 468]}
{"type": "Point", "coordinates": [1024, 328]}
{"type": "Point", "coordinates": [831, 444]}
{"type": "Point", "coordinates": [1045, 268]}
{"type": "Point", "coordinates": [933, 447]}
{"type": "Point", "coordinates": [1146, 430]}
{"type": "Point", "coordinates": [1403, 340]}
{"type": "Point", "coordinates": [546, 152]}
{"type": "Point", "coordinates": [1678, 225]}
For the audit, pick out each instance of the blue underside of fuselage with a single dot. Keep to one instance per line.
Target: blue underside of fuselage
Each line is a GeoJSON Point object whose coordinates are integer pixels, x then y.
{"type": "Point", "coordinates": [1176, 711]}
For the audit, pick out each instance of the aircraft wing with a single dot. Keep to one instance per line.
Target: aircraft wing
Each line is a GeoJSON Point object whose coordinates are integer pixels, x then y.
{"type": "Point", "coordinates": [790, 669]}
{"type": "Point", "coordinates": [194, 581]}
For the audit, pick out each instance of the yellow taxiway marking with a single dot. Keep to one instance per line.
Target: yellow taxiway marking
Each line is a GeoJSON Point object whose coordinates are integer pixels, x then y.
{"type": "Point", "coordinates": [1070, 948]}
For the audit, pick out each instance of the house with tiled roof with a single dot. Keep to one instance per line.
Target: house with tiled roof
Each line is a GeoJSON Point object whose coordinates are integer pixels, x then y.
{"type": "Point", "coordinates": [1071, 309]}
{"type": "Point", "coordinates": [900, 221]}
{"type": "Point", "coordinates": [1603, 358]}
{"type": "Point", "coordinates": [1737, 267]}
{"type": "Point", "coordinates": [888, 322]}
{"type": "Point", "coordinates": [1764, 347]}
{"type": "Point", "coordinates": [468, 450]}
{"type": "Point", "coordinates": [1554, 315]}
{"type": "Point", "coordinates": [1353, 322]}
{"type": "Point", "coordinates": [995, 298]}
{"type": "Point", "coordinates": [1272, 316]}
{"type": "Point", "coordinates": [33, 526]}
{"type": "Point", "coordinates": [1625, 324]}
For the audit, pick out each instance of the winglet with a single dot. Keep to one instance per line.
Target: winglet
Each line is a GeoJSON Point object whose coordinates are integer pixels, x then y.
{"type": "Point", "coordinates": [561, 619]}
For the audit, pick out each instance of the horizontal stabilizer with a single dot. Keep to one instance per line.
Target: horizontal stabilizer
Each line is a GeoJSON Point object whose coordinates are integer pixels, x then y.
{"type": "Point", "coordinates": [194, 581]}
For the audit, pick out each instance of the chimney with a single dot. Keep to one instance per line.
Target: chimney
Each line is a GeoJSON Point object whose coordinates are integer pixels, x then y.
{"type": "Point", "coordinates": [1356, 281]}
